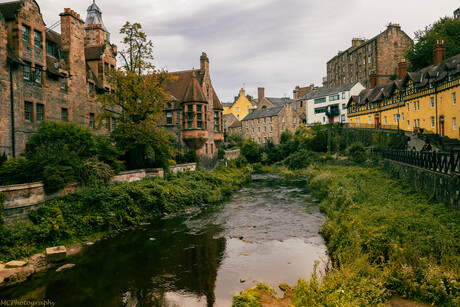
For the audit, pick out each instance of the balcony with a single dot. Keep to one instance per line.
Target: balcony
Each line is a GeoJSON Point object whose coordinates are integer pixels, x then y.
{"type": "Point", "coordinates": [195, 139]}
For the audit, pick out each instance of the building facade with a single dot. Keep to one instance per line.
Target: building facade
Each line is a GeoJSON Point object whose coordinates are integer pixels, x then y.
{"type": "Point", "coordinates": [426, 100]}
{"type": "Point", "coordinates": [272, 117]}
{"type": "Point", "coordinates": [195, 115]}
{"type": "Point", "coordinates": [242, 105]}
{"type": "Point", "coordinates": [377, 57]}
{"type": "Point", "coordinates": [328, 105]}
{"type": "Point", "coordinates": [45, 75]}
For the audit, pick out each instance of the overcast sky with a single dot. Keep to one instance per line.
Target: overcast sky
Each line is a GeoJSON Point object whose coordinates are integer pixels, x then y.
{"type": "Point", "coordinates": [275, 44]}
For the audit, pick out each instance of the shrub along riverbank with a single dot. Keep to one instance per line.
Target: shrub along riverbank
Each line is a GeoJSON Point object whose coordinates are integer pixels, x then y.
{"type": "Point", "coordinates": [100, 209]}
{"type": "Point", "coordinates": [384, 239]}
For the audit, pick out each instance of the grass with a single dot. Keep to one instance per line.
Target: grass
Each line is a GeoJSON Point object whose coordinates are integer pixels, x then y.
{"type": "Point", "coordinates": [384, 239]}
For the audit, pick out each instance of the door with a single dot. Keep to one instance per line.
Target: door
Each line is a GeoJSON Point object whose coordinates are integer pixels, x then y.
{"type": "Point", "coordinates": [377, 121]}
{"type": "Point", "coordinates": [441, 125]}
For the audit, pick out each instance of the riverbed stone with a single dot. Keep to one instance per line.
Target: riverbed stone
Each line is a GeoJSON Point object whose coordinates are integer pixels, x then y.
{"type": "Point", "coordinates": [65, 267]}
{"type": "Point", "coordinates": [56, 254]}
{"type": "Point", "coordinates": [15, 264]}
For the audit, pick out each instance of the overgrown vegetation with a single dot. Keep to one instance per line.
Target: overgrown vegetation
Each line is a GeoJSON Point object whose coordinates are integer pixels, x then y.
{"type": "Point", "coordinates": [104, 208]}
{"type": "Point", "coordinates": [383, 239]}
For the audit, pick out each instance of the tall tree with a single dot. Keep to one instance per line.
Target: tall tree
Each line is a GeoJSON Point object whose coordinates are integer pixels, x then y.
{"type": "Point", "coordinates": [137, 100]}
{"type": "Point", "coordinates": [421, 55]}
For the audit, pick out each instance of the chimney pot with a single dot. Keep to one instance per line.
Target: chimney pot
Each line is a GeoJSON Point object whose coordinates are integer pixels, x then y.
{"type": "Point", "coordinates": [261, 93]}
{"type": "Point", "coordinates": [439, 52]}
{"type": "Point", "coordinates": [402, 69]}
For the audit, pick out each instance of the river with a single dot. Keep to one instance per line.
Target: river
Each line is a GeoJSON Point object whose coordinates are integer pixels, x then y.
{"type": "Point", "coordinates": [267, 231]}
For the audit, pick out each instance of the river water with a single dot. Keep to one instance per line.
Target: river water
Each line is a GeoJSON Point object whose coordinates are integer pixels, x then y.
{"type": "Point", "coordinates": [267, 231]}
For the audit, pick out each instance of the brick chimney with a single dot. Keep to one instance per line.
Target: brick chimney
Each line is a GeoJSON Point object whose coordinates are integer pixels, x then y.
{"type": "Point", "coordinates": [242, 92]}
{"type": "Point", "coordinates": [204, 64]}
{"type": "Point", "coordinates": [372, 79]}
{"type": "Point", "coordinates": [355, 42]}
{"type": "Point", "coordinates": [402, 69]}
{"type": "Point", "coordinates": [439, 52]}
{"type": "Point", "coordinates": [261, 94]}
{"type": "Point", "coordinates": [73, 43]}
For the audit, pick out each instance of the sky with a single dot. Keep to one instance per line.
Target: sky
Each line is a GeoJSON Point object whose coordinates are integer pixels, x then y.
{"type": "Point", "coordinates": [275, 44]}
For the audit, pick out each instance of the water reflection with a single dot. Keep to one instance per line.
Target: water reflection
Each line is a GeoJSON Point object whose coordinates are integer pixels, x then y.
{"type": "Point", "coordinates": [264, 233]}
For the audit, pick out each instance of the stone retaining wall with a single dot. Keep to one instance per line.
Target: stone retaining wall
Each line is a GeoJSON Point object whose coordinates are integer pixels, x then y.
{"type": "Point", "coordinates": [445, 187]}
{"type": "Point", "coordinates": [231, 154]}
{"type": "Point", "coordinates": [20, 199]}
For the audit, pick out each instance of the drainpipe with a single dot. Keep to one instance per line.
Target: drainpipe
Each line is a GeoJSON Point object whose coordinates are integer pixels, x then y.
{"type": "Point", "coordinates": [13, 138]}
{"type": "Point", "coordinates": [436, 104]}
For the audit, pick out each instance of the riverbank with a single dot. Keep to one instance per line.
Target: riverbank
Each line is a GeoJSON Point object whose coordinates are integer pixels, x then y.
{"type": "Point", "coordinates": [95, 211]}
{"type": "Point", "coordinates": [384, 239]}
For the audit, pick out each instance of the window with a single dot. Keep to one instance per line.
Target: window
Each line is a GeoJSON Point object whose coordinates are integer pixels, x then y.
{"type": "Point", "coordinates": [216, 122]}
{"type": "Point", "coordinates": [26, 72]}
{"type": "Point", "coordinates": [394, 118]}
{"type": "Point", "coordinates": [247, 130]}
{"type": "Point", "coordinates": [432, 102]}
{"type": "Point", "coordinates": [344, 106]}
{"type": "Point", "coordinates": [38, 74]}
{"type": "Point", "coordinates": [63, 84]}
{"type": "Point", "coordinates": [258, 121]}
{"type": "Point", "coordinates": [334, 97]}
{"type": "Point", "coordinates": [106, 67]}
{"type": "Point", "coordinates": [370, 120]}
{"type": "Point", "coordinates": [113, 124]}
{"type": "Point", "coordinates": [454, 98]}
{"type": "Point", "coordinates": [408, 125]}
{"type": "Point", "coordinates": [271, 120]}
{"type": "Point", "coordinates": [408, 106]}
{"type": "Point", "coordinates": [28, 111]}
{"type": "Point", "coordinates": [415, 105]}
{"type": "Point", "coordinates": [265, 129]}
{"type": "Point", "coordinates": [294, 119]}
{"type": "Point", "coordinates": [51, 49]}
{"type": "Point", "coordinates": [265, 120]}
{"type": "Point", "coordinates": [258, 140]}
{"type": "Point", "coordinates": [64, 114]}
{"type": "Point", "coordinates": [342, 118]}
{"type": "Point", "coordinates": [418, 123]}
{"type": "Point", "coordinates": [454, 123]}
{"type": "Point", "coordinates": [418, 105]}
{"type": "Point", "coordinates": [282, 128]}
{"type": "Point", "coordinates": [385, 120]}
{"type": "Point", "coordinates": [237, 109]}
{"type": "Point", "coordinates": [432, 121]}
{"type": "Point", "coordinates": [252, 130]}
{"type": "Point", "coordinates": [169, 118]}
{"type": "Point", "coordinates": [25, 34]}
{"type": "Point", "coordinates": [258, 129]}
{"type": "Point", "coordinates": [40, 112]}
{"type": "Point", "coordinates": [415, 123]}
{"type": "Point", "coordinates": [320, 110]}
{"type": "Point", "coordinates": [37, 39]}
{"type": "Point", "coordinates": [370, 47]}
{"type": "Point", "coordinates": [319, 100]}
{"type": "Point", "coordinates": [199, 116]}
{"type": "Point", "coordinates": [107, 124]}
{"type": "Point", "coordinates": [271, 128]}
{"type": "Point", "coordinates": [91, 120]}
{"type": "Point", "coordinates": [282, 119]}
{"type": "Point", "coordinates": [238, 116]}
{"type": "Point", "coordinates": [402, 116]}
{"type": "Point", "coordinates": [90, 87]}
{"type": "Point", "coordinates": [343, 95]}
{"type": "Point", "coordinates": [247, 107]}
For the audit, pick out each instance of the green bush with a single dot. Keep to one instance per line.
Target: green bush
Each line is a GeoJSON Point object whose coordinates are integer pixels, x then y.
{"type": "Point", "coordinates": [357, 152]}
{"type": "Point", "coordinates": [14, 167]}
{"type": "Point", "coordinates": [2, 199]}
{"type": "Point", "coordinates": [300, 159]}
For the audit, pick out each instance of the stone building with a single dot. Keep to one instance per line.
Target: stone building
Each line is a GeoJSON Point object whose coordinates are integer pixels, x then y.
{"type": "Point", "coordinates": [45, 75]}
{"type": "Point", "coordinates": [195, 115]}
{"type": "Point", "coordinates": [425, 100]}
{"type": "Point", "coordinates": [369, 61]}
{"type": "Point", "coordinates": [272, 117]}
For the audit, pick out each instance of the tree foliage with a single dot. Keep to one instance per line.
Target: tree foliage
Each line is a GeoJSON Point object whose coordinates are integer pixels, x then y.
{"type": "Point", "coordinates": [421, 55]}
{"type": "Point", "coordinates": [138, 98]}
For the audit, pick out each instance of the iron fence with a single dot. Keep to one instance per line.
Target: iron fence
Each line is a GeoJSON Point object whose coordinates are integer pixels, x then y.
{"type": "Point", "coordinates": [20, 179]}
{"type": "Point", "coordinates": [442, 162]}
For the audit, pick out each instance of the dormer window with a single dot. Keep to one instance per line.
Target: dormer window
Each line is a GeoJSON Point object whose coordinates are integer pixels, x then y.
{"type": "Point", "coordinates": [51, 49]}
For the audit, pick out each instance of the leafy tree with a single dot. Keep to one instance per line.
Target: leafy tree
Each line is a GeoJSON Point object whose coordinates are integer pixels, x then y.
{"type": "Point", "coordinates": [137, 101]}
{"type": "Point", "coordinates": [421, 55]}
{"type": "Point", "coordinates": [250, 151]}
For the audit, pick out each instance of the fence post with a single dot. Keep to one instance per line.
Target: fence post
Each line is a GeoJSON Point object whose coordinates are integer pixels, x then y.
{"type": "Point", "coordinates": [451, 162]}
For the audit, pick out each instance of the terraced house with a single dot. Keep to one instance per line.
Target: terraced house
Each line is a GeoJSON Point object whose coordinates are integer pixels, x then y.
{"type": "Point", "coordinates": [45, 75]}
{"type": "Point", "coordinates": [425, 100]}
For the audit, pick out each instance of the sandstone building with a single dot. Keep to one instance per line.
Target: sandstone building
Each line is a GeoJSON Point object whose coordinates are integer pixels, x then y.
{"type": "Point", "coordinates": [195, 115]}
{"type": "Point", "coordinates": [45, 75]}
{"type": "Point", "coordinates": [371, 61]}
{"type": "Point", "coordinates": [242, 105]}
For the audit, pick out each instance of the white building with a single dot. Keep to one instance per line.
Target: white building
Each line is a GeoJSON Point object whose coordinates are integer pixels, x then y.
{"type": "Point", "coordinates": [329, 105]}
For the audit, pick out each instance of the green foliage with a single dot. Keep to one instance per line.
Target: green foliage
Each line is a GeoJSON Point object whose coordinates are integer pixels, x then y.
{"type": "Point", "coordinates": [188, 157]}
{"type": "Point", "coordinates": [3, 158]}
{"type": "Point", "coordinates": [2, 199]}
{"type": "Point", "coordinates": [63, 152]}
{"type": "Point", "coordinates": [421, 55]}
{"type": "Point", "coordinates": [235, 140]}
{"type": "Point", "coordinates": [300, 159]}
{"type": "Point", "coordinates": [250, 150]}
{"type": "Point", "coordinates": [14, 167]}
{"type": "Point", "coordinates": [101, 208]}
{"type": "Point", "coordinates": [383, 239]}
{"type": "Point", "coordinates": [95, 172]}
{"type": "Point", "coordinates": [251, 297]}
{"type": "Point", "coordinates": [357, 152]}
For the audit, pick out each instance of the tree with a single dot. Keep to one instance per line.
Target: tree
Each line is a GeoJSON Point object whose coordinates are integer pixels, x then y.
{"type": "Point", "coordinates": [137, 100]}
{"type": "Point", "coordinates": [250, 150]}
{"type": "Point", "coordinates": [421, 55]}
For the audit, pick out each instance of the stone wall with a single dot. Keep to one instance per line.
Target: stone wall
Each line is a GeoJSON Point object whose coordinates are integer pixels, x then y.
{"type": "Point", "coordinates": [20, 199]}
{"type": "Point", "coordinates": [445, 187]}
{"type": "Point", "coordinates": [231, 154]}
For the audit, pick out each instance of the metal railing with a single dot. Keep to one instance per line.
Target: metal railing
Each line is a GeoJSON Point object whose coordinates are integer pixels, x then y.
{"type": "Point", "coordinates": [442, 162]}
{"type": "Point", "coordinates": [27, 178]}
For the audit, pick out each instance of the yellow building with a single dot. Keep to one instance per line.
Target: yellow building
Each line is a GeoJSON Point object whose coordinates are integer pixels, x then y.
{"type": "Point", "coordinates": [425, 100]}
{"type": "Point", "coordinates": [240, 108]}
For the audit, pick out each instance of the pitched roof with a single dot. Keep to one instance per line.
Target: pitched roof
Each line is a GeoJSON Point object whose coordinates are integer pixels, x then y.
{"type": "Point", "coordinates": [235, 124]}
{"type": "Point", "coordinates": [327, 91]}
{"type": "Point", "coordinates": [278, 102]}
{"type": "Point", "coordinates": [185, 88]}
{"type": "Point", "coordinates": [52, 65]}
{"type": "Point", "coordinates": [216, 101]}
{"type": "Point", "coordinates": [53, 36]}
{"type": "Point", "coordinates": [227, 104]}
{"type": "Point", "coordinates": [12, 55]}
{"type": "Point", "coordinates": [9, 9]}
{"type": "Point", "coordinates": [267, 112]}
{"type": "Point", "coordinates": [94, 52]}
{"type": "Point", "coordinates": [94, 16]}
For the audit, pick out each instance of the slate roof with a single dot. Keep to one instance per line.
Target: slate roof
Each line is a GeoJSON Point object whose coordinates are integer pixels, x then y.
{"type": "Point", "coordinates": [54, 37]}
{"type": "Point", "coordinates": [227, 104]}
{"type": "Point", "coordinates": [94, 16]}
{"type": "Point", "coordinates": [267, 112]}
{"type": "Point", "coordinates": [327, 91]}
{"type": "Point", "coordinates": [278, 102]}
{"type": "Point", "coordinates": [52, 65]}
{"type": "Point", "coordinates": [94, 52]}
{"type": "Point", "coordinates": [9, 9]}
{"type": "Point", "coordinates": [235, 124]}
{"type": "Point", "coordinates": [12, 55]}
